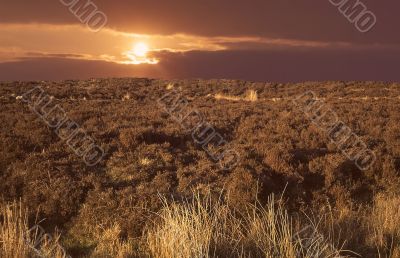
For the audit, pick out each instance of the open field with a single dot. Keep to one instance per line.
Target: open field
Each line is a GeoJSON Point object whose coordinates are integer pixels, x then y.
{"type": "Point", "coordinates": [157, 193]}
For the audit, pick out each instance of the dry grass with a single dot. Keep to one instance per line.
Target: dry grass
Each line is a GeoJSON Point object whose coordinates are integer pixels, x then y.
{"type": "Point", "coordinates": [18, 240]}
{"type": "Point", "coordinates": [205, 228]}
{"type": "Point", "coordinates": [270, 229]}
{"type": "Point", "coordinates": [251, 95]}
{"type": "Point", "coordinates": [385, 223]}
{"type": "Point", "coordinates": [111, 245]}
{"type": "Point", "coordinates": [374, 228]}
{"type": "Point", "coordinates": [14, 225]}
{"type": "Point", "coordinates": [185, 230]}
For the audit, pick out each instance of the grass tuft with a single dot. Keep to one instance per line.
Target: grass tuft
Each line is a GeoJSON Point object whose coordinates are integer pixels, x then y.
{"type": "Point", "coordinates": [18, 240]}
{"type": "Point", "coordinates": [202, 227]}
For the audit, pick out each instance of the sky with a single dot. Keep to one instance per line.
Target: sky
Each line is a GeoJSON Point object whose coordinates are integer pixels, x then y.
{"type": "Point", "coordinates": [259, 40]}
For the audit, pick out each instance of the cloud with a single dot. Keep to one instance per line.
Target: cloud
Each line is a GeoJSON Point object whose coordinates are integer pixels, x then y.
{"type": "Point", "coordinates": [62, 69]}
{"type": "Point", "coordinates": [76, 42]}
{"type": "Point", "coordinates": [255, 65]}
{"type": "Point", "coordinates": [301, 20]}
{"type": "Point", "coordinates": [262, 40]}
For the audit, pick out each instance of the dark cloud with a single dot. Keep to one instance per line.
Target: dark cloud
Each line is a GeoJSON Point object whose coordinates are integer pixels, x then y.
{"type": "Point", "coordinates": [334, 49]}
{"type": "Point", "coordinates": [267, 65]}
{"type": "Point", "coordinates": [305, 19]}
{"type": "Point", "coordinates": [60, 69]}
{"type": "Point", "coordinates": [286, 65]}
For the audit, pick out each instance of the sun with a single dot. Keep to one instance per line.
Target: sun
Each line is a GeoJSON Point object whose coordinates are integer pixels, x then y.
{"type": "Point", "coordinates": [140, 49]}
{"type": "Point", "coordinates": [140, 53]}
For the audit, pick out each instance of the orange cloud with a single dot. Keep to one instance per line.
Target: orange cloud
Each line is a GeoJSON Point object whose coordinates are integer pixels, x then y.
{"type": "Point", "coordinates": [76, 42]}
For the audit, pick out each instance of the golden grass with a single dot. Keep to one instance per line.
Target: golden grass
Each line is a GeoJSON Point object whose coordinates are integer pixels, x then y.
{"type": "Point", "coordinates": [385, 223]}
{"type": "Point", "coordinates": [111, 245]}
{"type": "Point", "coordinates": [251, 96]}
{"type": "Point", "coordinates": [14, 224]}
{"type": "Point", "coordinates": [205, 228]}
{"type": "Point", "coordinates": [18, 240]}
{"type": "Point", "coordinates": [270, 228]}
{"type": "Point", "coordinates": [185, 230]}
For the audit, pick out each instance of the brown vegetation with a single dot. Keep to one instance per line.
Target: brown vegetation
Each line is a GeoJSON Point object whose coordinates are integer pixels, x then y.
{"type": "Point", "coordinates": [130, 203]}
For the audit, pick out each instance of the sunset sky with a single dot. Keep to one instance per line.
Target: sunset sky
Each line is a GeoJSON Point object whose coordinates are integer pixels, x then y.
{"type": "Point", "coordinates": [260, 40]}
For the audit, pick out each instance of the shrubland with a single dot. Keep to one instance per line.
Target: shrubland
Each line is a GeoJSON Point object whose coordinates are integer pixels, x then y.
{"type": "Point", "coordinates": [156, 193]}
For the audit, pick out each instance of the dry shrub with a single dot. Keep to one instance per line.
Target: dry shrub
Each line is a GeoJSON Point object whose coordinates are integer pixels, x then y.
{"type": "Point", "coordinates": [242, 189]}
{"type": "Point", "coordinates": [119, 168]}
{"type": "Point", "coordinates": [18, 240]}
{"type": "Point", "coordinates": [280, 160]}
{"type": "Point", "coordinates": [145, 161]}
{"type": "Point", "coordinates": [206, 228]}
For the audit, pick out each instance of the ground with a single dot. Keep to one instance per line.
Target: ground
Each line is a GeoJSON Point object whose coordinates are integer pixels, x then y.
{"type": "Point", "coordinates": [148, 154]}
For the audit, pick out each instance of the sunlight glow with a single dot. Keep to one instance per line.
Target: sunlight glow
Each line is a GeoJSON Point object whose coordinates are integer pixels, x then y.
{"type": "Point", "coordinates": [140, 49]}
{"type": "Point", "coordinates": [139, 55]}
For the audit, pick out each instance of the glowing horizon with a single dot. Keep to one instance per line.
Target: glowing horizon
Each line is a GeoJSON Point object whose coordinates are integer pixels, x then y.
{"type": "Point", "coordinates": [76, 42]}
